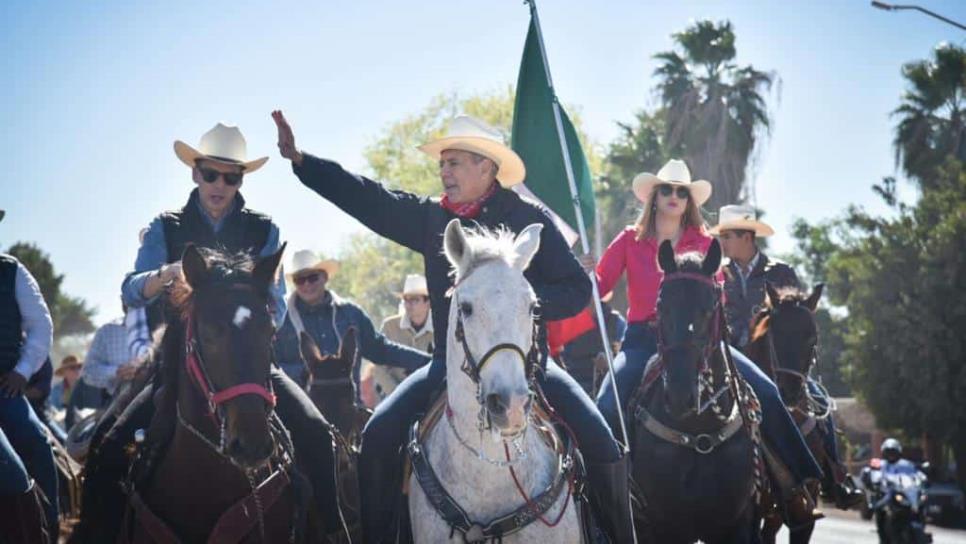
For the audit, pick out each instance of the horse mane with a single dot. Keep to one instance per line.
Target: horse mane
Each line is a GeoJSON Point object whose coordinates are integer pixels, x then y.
{"type": "Point", "coordinates": [485, 245]}
{"type": "Point", "coordinates": [222, 268]}
{"type": "Point", "coordinates": [787, 296]}
{"type": "Point", "coordinates": [690, 262]}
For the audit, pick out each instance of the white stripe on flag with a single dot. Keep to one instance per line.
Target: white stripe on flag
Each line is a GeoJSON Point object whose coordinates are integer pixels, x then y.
{"type": "Point", "coordinates": [569, 234]}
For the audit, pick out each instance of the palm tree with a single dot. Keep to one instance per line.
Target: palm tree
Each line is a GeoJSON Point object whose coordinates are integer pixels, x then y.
{"type": "Point", "coordinates": [931, 125]}
{"type": "Point", "coordinates": [716, 110]}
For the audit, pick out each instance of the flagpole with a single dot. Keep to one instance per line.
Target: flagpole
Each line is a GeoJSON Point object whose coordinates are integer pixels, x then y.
{"type": "Point", "coordinates": [581, 227]}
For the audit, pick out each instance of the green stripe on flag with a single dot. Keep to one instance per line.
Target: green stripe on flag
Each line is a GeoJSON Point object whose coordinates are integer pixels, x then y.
{"type": "Point", "coordinates": [536, 140]}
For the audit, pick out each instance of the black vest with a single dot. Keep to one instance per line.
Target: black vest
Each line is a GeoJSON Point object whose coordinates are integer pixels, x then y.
{"type": "Point", "coordinates": [11, 331]}
{"type": "Point", "coordinates": [243, 230]}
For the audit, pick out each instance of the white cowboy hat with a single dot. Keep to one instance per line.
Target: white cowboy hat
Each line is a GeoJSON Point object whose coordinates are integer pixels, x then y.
{"type": "Point", "coordinates": [467, 133]}
{"type": "Point", "coordinates": [415, 284]}
{"type": "Point", "coordinates": [739, 217]}
{"type": "Point", "coordinates": [222, 143]}
{"type": "Point", "coordinates": [676, 173]}
{"type": "Point", "coordinates": [306, 259]}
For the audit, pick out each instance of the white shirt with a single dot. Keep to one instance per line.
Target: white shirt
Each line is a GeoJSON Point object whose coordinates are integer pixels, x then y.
{"type": "Point", "coordinates": [38, 329]}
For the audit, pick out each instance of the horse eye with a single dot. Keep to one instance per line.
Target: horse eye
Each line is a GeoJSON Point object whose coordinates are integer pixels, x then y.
{"type": "Point", "coordinates": [466, 309]}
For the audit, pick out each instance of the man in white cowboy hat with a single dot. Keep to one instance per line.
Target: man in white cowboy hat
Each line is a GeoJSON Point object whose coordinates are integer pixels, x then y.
{"type": "Point", "coordinates": [747, 271]}
{"type": "Point", "coordinates": [476, 171]}
{"type": "Point", "coordinates": [747, 268]}
{"type": "Point", "coordinates": [326, 317]}
{"type": "Point", "coordinates": [215, 217]}
{"type": "Point", "coordinates": [412, 326]}
{"type": "Point", "coordinates": [26, 333]}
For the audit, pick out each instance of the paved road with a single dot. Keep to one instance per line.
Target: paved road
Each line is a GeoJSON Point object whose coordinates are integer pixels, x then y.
{"type": "Point", "coordinates": [849, 528]}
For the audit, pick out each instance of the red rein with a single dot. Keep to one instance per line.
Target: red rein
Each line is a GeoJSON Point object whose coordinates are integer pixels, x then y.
{"type": "Point", "coordinates": [215, 398]}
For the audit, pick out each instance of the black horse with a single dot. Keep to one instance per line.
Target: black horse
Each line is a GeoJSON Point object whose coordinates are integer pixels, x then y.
{"type": "Point", "coordinates": [694, 432]}
{"type": "Point", "coordinates": [330, 388]}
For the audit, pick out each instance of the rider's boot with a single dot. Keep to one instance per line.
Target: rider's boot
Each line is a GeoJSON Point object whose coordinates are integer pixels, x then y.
{"type": "Point", "coordinates": [799, 507]}
{"type": "Point", "coordinates": [379, 506]}
{"type": "Point", "coordinates": [24, 519]}
{"type": "Point", "coordinates": [610, 498]}
{"type": "Point", "coordinates": [840, 488]}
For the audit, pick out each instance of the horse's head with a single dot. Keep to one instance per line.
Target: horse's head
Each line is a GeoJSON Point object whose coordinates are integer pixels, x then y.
{"type": "Point", "coordinates": [229, 333]}
{"type": "Point", "coordinates": [688, 322]}
{"type": "Point", "coordinates": [329, 384]}
{"type": "Point", "coordinates": [788, 325]}
{"type": "Point", "coordinates": [491, 322]}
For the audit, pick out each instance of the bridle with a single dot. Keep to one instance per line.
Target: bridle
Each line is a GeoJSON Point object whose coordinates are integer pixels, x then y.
{"type": "Point", "coordinates": [663, 347]}
{"type": "Point", "coordinates": [473, 367]}
{"type": "Point", "coordinates": [821, 410]}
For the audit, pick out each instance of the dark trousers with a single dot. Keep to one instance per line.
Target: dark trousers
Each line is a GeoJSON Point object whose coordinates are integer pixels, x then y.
{"type": "Point", "coordinates": [24, 451]}
{"type": "Point", "coordinates": [308, 429]}
{"type": "Point", "coordinates": [777, 427]}
{"type": "Point", "coordinates": [387, 430]}
{"type": "Point", "coordinates": [84, 396]}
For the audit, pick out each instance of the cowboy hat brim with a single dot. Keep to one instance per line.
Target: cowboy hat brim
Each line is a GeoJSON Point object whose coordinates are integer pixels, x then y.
{"type": "Point", "coordinates": [760, 229]}
{"type": "Point", "coordinates": [510, 168]}
{"type": "Point", "coordinates": [643, 185]}
{"type": "Point", "coordinates": [190, 156]}
{"type": "Point", "coordinates": [329, 266]}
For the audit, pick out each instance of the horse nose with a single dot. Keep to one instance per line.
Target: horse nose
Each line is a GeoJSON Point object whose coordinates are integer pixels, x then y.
{"type": "Point", "coordinates": [247, 453]}
{"type": "Point", "coordinates": [497, 404]}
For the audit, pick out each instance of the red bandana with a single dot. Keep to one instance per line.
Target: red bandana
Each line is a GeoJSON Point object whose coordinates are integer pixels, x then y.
{"type": "Point", "coordinates": [470, 210]}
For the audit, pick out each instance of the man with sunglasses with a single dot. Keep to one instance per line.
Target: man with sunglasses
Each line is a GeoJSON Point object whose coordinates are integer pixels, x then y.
{"type": "Point", "coordinates": [746, 272]}
{"type": "Point", "coordinates": [214, 217]}
{"type": "Point", "coordinates": [326, 317]}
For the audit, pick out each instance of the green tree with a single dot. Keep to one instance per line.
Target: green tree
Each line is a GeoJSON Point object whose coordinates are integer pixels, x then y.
{"type": "Point", "coordinates": [932, 120]}
{"type": "Point", "coordinates": [716, 111]}
{"type": "Point", "coordinates": [375, 267]}
{"type": "Point", "coordinates": [71, 315]}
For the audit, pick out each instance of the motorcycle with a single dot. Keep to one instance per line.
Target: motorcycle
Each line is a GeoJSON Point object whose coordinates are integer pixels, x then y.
{"type": "Point", "coordinates": [898, 504]}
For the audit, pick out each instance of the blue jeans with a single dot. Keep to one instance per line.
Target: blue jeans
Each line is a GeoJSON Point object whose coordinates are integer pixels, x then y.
{"type": "Point", "coordinates": [777, 427]}
{"type": "Point", "coordinates": [388, 428]}
{"type": "Point", "coordinates": [26, 443]}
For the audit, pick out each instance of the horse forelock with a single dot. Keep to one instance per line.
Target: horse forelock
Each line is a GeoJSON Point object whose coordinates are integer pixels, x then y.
{"type": "Point", "coordinates": [788, 297]}
{"type": "Point", "coordinates": [225, 270]}
{"type": "Point", "coordinates": [484, 246]}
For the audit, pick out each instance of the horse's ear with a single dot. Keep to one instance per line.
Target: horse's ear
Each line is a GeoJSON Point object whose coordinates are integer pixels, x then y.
{"type": "Point", "coordinates": [266, 268]}
{"type": "Point", "coordinates": [665, 258]}
{"type": "Point", "coordinates": [349, 345]}
{"type": "Point", "coordinates": [525, 246]}
{"type": "Point", "coordinates": [308, 348]}
{"type": "Point", "coordinates": [712, 259]}
{"type": "Point", "coordinates": [812, 301]}
{"type": "Point", "coordinates": [454, 243]}
{"type": "Point", "coordinates": [773, 297]}
{"type": "Point", "coordinates": [194, 266]}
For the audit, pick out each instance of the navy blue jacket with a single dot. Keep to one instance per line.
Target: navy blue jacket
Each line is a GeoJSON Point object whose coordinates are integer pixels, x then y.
{"type": "Point", "coordinates": [418, 223]}
{"type": "Point", "coordinates": [326, 323]}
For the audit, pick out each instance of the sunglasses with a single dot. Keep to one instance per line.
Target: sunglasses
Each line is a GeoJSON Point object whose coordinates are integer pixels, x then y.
{"type": "Point", "coordinates": [211, 176]}
{"type": "Point", "coordinates": [666, 190]}
{"type": "Point", "coordinates": [308, 278]}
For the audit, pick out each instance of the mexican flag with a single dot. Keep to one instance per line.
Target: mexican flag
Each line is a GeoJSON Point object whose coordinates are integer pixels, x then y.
{"type": "Point", "coordinates": [536, 140]}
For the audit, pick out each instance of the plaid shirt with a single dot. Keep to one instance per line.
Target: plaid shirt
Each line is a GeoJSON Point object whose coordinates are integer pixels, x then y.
{"type": "Point", "coordinates": [109, 350]}
{"type": "Point", "coordinates": [138, 335]}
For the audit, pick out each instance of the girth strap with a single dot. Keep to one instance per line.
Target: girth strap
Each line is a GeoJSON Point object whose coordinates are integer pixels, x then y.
{"type": "Point", "coordinates": [457, 518]}
{"type": "Point", "coordinates": [701, 443]}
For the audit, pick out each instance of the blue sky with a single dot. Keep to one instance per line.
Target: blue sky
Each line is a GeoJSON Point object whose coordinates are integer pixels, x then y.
{"type": "Point", "coordinates": [95, 93]}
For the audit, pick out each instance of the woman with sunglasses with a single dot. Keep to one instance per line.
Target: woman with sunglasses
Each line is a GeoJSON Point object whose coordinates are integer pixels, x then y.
{"type": "Point", "coordinates": [672, 212]}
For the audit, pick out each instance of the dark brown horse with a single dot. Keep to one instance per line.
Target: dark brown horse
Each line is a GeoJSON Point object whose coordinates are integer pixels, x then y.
{"type": "Point", "coordinates": [694, 426]}
{"type": "Point", "coordinates": [226, 475]}
{"type": "Point", "coordinates": [329, 385]}
{"type": "Point", "coordinates": [783, 345]}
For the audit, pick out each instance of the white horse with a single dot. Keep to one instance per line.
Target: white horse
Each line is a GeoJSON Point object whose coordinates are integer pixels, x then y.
{"type": "Point", "coordinates": [488, 429]}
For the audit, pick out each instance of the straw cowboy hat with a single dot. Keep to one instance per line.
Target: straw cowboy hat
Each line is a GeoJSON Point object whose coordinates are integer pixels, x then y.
{"type": "Point", "coordinates": [306, 259]}
{"type": "Point", "coordinates": [739, 217]}
{"type": "Point", "coordinates": [223, 144]}
{"type": "Point", "coordinates": [415, 284]}
{"type": "Point", "coordinates": [69, 362]}
{"type": "Point", "coordinates": [676, 173]}
{"type": "Point", "coordinates": [467, 133]}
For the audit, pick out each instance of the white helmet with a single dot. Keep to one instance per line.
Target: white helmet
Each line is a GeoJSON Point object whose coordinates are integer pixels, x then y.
{"type": "Point", "coordinates": [891, 444]}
